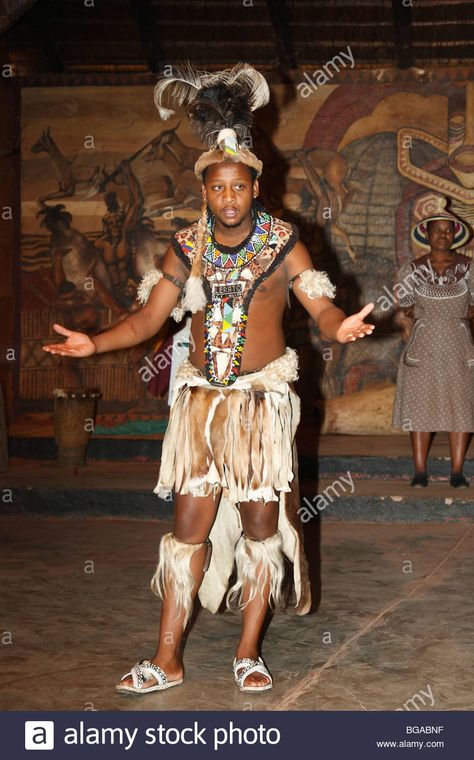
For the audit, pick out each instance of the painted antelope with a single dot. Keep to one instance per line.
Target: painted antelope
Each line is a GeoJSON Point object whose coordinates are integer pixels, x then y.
{"type": "Point", "coordinates": [73, 179]}
{"type": "Point", "coordinates": [179, 160]}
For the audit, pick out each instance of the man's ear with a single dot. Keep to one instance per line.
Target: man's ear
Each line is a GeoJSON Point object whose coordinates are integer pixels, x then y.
{"type": "Point", "coordinates": [256, 188]}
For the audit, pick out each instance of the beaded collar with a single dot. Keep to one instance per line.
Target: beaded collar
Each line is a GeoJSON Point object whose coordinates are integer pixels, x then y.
{"type": "Point", "coordinates": [453, 273]}
{"type": "Point", "coordinates": [226, 257]}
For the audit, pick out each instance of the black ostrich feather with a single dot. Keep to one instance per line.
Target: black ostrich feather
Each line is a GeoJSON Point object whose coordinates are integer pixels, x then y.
{"type": "Point", "coordinates": [220, 106]}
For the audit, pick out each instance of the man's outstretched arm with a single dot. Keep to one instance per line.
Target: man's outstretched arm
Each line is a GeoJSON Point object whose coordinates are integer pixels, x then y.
{"type": "Point", "coordinates": [136, 328]}
{"type": "Point", "coordinates": [314, 293]}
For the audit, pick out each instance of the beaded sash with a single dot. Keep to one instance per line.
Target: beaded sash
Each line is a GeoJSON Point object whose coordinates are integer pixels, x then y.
{"type": "Point", "coordinates": [231, 277]}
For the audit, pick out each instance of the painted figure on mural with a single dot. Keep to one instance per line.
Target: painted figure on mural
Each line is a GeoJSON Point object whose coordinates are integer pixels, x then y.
{"type": "Point", "coordinates": [455, 175]}
{"type": "Point", "coordinates": [75, 259]}
{"type": "Point", "coordinates": [327, 173]}
{"type": "Point", "coordinates": [235, 487]}
{"type": "Point", "coordinates": [120, 222]}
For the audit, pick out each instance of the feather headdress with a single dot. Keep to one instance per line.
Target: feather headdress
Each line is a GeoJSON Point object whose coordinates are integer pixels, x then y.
{"type": "Point", "coordinates": [220, 107]}
{"type": "Point", "coordinates": [186, 83]}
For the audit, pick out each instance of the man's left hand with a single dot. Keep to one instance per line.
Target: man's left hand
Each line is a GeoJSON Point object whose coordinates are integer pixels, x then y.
{"type": "Point", "coordinates": [354, 327]}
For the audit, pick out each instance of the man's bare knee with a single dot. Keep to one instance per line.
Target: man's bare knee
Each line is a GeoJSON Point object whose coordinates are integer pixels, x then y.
{"type": "Point", "coordinates": [193, 517]}
{"type": "Point", "coordinates": [259, 520]}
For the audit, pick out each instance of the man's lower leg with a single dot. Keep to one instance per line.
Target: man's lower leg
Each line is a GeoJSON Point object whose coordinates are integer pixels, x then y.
{"type": "Point", "coordinates": [177, 580]}
{"type": "Point", "coordinates": [260, 572]}
{"type": "Point", "coordinates": [177, 594]}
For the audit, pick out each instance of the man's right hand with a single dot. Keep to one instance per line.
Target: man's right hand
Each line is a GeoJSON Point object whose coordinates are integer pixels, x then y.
{"type": "Point", "coordinates": [77, 344]}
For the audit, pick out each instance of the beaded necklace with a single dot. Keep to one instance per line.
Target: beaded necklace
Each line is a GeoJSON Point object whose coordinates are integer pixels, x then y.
{"type": "Point", "coordinates": [232, 258]}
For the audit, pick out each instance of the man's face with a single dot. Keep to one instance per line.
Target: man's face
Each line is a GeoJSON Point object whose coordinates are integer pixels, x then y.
{"type": "Point", "coordinates": [229, 190]}
{"type": "Point", "coordinates": [441, 234]}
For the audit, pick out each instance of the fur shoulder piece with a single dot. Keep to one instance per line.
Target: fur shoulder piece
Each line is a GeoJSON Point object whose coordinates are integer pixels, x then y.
{"type": "Point", "coordinates": [147, 283]}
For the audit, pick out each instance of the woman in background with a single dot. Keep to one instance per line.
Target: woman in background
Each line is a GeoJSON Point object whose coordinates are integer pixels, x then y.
{"type": "Point", "coordinates": [435, 383]}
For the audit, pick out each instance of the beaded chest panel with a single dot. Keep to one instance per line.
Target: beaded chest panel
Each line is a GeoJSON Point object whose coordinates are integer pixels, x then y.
{"type": "Point", "coordinates": [231, 276]}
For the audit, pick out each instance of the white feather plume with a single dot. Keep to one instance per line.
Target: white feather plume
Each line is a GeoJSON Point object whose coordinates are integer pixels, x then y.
{"type": "Point", "coordinates": [194, 298]}
{"type": "Point", "coordinates": [180, 89]}
{"type": "Point", "coordinates": [243, 72]}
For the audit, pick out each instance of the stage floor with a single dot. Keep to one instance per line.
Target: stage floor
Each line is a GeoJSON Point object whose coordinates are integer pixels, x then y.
{"type": "Point", "coordinates": [391, 565]}
{"type": "Point", "coordinates": [393, 629]}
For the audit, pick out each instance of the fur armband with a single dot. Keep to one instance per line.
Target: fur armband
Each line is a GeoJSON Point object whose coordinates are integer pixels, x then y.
{"type": "Point", "coordinates": [314, 284]}
{"type": "Point", "coordinates": [147, 283]}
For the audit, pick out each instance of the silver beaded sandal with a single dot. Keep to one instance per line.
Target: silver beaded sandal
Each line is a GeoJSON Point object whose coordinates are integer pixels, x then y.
{"type": "Point", "coordinates": [141, 673]}
{"type": "Point", "coordinates": [244, 667]}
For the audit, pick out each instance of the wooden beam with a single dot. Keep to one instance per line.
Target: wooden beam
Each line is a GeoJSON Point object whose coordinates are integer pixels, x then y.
{"type": "Point", "coordinates": [146, 24]}
{"type": "Point", "coordinates": [42, 19]}
{"type": "Point", "coordinates": [11, 11]}
{"type": "Point", "coordinates": [280, 18]}
{"type": "Point", "coordinates": [402, 20]}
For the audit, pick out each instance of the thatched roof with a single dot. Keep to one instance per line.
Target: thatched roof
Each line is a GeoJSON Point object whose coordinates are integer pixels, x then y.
{"type": "Point", "coordinates": [54, 36]}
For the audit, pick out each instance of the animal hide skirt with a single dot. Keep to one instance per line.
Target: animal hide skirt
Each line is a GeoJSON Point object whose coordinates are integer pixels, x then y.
{"type": "Point", "coordinates": [237, 443]}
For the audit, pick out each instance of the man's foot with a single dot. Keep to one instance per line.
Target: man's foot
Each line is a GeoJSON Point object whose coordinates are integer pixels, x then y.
{"type": "Point", "coordinates": [251, 674]}
{"type": "Point", "coordinates": [458, 480]}
{"type": "Point", "coordinates": [149, 675]}
{"type": "Point", "coordinates": [420, 480]}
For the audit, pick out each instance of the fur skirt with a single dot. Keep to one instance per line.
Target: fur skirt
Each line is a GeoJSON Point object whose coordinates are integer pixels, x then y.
{"type": "Point", "coordinates": [237, 442]}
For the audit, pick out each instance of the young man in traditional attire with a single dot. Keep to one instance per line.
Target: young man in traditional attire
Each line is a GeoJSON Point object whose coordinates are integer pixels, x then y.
{"type": "Point", "coordinates": [228, 454]}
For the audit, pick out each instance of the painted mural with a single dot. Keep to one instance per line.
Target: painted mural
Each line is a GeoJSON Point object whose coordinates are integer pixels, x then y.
{"type": "Point", "coordinates": [105, 184]}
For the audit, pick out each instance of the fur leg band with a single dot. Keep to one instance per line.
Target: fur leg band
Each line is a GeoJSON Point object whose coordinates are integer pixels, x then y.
{"type": "Point", "coordinates": [259, 562]}
{"type": "Point", "coordinates": [173, 572]}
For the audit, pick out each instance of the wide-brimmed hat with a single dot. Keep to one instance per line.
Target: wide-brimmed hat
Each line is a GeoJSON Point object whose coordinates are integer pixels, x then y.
{"type": "Point", "coordinates": [461, 230]}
